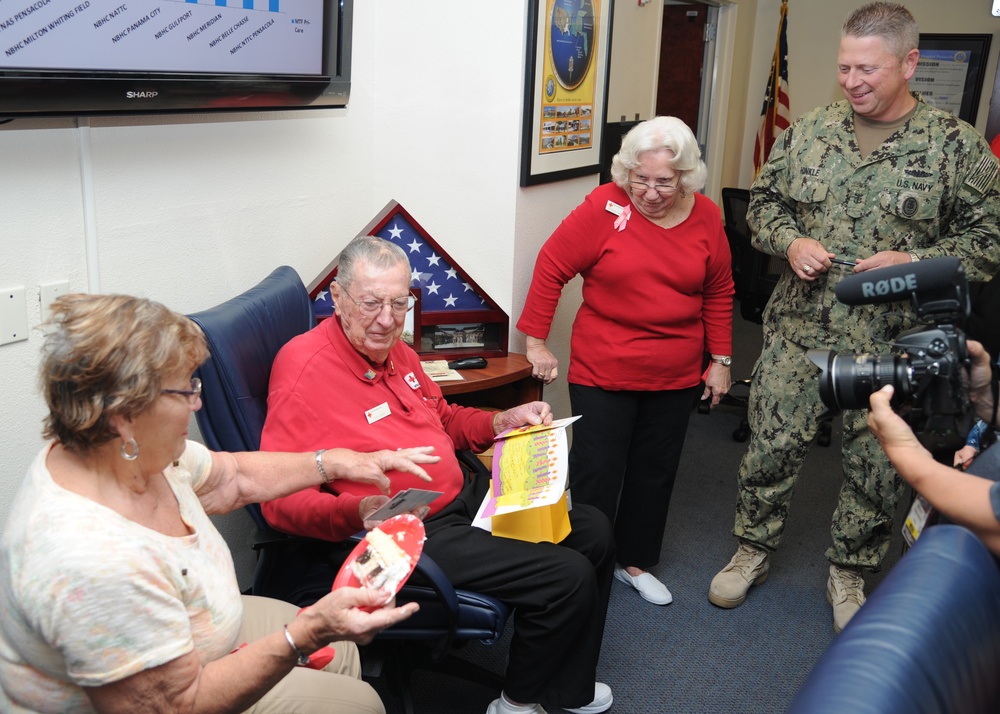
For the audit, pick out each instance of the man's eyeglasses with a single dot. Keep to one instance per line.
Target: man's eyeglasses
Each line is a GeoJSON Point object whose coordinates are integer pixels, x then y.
{"type": "Point", "coordinates": [191, 394]}
{"type": "Point", "coordinates": [664, 189]}
{"type": "Point", "coordinates": [370, 307]}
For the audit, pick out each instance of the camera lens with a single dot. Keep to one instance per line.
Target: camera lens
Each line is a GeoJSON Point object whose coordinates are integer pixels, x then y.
{"type": "Point", "coordinates": [847, 381]}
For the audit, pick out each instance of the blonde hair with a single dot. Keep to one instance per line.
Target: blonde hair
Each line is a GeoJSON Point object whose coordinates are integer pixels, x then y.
{"type": "Point", "coordinates": [107, 356]}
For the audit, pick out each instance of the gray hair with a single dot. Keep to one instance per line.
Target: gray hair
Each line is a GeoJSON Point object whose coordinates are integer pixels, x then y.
{"type": "Point", "coordinates": [888, 20]}
{"type": "Point", "coordinates": [371, 250]}
{"type": "Point", "coordinates": [662, 133]}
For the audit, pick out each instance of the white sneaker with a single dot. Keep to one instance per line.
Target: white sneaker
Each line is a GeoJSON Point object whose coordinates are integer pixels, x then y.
{"type": "Point", "coordinates": [502, 706]}
{"type": "Point", "coordinates": [603, 699]}
{"type": "Point", "coordinates": [648, 587]}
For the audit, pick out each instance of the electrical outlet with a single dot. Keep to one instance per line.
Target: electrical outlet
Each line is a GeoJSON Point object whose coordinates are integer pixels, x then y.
{"type": "Point", "coordinates": [13, 315]}
{"type": "Point", "coordinates": [48, 292]}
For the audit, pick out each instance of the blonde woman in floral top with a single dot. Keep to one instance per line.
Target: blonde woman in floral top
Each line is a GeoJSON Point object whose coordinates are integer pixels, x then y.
{"type": "Point", "coordinates": [118, 593]}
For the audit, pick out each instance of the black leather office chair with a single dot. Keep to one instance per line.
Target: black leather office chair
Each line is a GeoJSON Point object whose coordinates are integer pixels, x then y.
{"type": "Point", "coordinates": [244, 334]}
{"type": "Point", "coordinates": [755, 275]}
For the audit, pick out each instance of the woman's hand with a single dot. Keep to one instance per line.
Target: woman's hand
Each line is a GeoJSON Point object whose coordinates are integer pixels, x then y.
{"type": "Point", "coordinates": [370, 467]}
{"type": "Point", "coordinates": [339, 616]}
{"type": "Point", "coordinates": [544, 365]}
{"type": "Point", "coordinates": [898, 441]}
{"type": "Point", "coordinates": [717, 382]}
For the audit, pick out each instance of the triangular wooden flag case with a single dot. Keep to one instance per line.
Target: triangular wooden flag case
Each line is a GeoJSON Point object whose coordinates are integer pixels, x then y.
{"type": "Point", "coordinates": [453, 316]}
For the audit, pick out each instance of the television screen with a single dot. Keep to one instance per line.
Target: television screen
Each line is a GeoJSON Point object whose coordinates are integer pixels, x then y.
{"type": "Point", "coordinates": [120, 56]}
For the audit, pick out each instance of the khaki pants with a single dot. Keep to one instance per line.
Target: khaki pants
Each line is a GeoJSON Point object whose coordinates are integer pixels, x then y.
{"type": "Point", "coordinates": [337, 688]}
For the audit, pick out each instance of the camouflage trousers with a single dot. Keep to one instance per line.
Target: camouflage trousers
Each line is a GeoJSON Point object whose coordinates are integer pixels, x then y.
{"type": "Point", "coordinates": [783, 414]}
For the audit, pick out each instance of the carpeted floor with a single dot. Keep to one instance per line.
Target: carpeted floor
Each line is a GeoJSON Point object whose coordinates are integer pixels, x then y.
{"type": "Point", "coordinates": [691, 657]}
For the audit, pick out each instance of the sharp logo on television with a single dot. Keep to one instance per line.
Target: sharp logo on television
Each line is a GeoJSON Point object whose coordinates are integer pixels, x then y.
{"type": "Point", "coordinates": [141, 95]}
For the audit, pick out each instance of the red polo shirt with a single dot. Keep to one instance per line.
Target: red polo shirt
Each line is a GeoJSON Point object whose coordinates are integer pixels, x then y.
{"type": "Point", "coordinates": [324, 394]}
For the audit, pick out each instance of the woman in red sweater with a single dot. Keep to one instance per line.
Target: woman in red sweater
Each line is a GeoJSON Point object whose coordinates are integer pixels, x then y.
{"type": "Point", "coordinates": [657, 296]}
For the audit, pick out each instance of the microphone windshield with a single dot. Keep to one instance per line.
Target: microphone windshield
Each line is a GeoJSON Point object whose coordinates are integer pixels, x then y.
{"type": "Point", "coordinates": [899, 282]}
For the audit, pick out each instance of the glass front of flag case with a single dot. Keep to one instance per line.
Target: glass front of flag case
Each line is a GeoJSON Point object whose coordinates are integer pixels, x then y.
{"type": "Point", "coordinates": [453, 317]}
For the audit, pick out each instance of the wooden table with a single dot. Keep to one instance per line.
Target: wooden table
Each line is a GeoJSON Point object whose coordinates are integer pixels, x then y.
{"type": "Point", "coordinates": [505, 382]}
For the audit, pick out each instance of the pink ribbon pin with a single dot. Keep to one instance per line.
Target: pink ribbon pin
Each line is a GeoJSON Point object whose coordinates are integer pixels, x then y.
{"type": "Point", "coordinates": [623, 218]}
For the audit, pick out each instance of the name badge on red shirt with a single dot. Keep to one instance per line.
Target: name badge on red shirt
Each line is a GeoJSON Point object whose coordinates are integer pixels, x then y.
{"type": "Point", "coordinates": [412, 380]}
{"type": "Point", "coordinates": [376, 413]}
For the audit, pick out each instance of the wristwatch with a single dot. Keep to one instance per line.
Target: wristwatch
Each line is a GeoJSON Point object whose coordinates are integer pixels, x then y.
{"type": "Point", "coordinates": [724, 360]}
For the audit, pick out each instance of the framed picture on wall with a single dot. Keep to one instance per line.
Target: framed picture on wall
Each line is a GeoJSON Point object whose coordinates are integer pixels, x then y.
{"type": "Point", "coordinates": [950, 72]}
{"type": "Point", "coordinates": [565, 89]}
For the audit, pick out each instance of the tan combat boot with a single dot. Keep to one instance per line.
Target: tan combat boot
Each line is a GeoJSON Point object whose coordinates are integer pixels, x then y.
{"type": "Point", "coordinates": [748, 567]}
{"type": "Point", "coordinates": [845, 590]}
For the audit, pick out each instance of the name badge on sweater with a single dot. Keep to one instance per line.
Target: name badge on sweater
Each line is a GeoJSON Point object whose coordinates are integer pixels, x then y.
{"type": "Point", "coordinates": [376, 413]}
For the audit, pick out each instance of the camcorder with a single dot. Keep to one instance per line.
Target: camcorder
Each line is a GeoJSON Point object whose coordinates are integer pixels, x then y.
{"type": "Point", "coordinates": [929, 368]}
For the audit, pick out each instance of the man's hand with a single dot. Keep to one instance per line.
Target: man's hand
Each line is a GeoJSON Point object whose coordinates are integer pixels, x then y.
{"type": "Point", "coordinates": [532, 413]}
{"type": "Point", "coordinates": [883, 259]}
{"type": "Point", "coordinates": [370, 467]}
{"type": "Point", "coordinates": [964, 456]}
{"type": "Point", "coordinates": [808, 258]}
{"type": "Point", "coordinates": [370, 504]}
{"type": "Point", "coordinates": [544, 365]}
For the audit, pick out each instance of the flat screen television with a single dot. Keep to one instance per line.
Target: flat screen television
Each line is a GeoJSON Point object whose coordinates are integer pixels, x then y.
{"type": "Point", "coordinates": [94, 57]}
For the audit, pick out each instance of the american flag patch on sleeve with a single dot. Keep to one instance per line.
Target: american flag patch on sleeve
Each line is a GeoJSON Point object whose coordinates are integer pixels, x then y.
{"type": "Point", "coordinates": [984, 177]}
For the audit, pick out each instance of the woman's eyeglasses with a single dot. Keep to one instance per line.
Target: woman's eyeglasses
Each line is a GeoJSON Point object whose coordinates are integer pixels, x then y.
{"type": "Point", "coordinates": [664, 189]}
{"type": "Point", "coordinates": [191, 394]}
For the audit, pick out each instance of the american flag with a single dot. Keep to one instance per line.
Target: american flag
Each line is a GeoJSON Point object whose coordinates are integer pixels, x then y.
{"type": "Point", "coordinates": [774, 115]}
{"type": "Point", "coordinates": [443, 287]}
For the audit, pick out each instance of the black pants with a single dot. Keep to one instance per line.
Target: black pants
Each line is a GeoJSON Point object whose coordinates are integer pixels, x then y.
{"type": "Point", "coordinates": [624, 459]}
{"type": "Point", "coordinates": [559, 592]}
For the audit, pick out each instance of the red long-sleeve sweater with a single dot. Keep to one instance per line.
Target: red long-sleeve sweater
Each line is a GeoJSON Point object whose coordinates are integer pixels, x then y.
{"type": "Point", "coordinates": [654, 299]}
{"type": "Point", "coordinates": [324, 394]}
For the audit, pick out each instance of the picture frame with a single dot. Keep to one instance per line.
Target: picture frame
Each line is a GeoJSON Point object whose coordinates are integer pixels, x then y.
{"type": "Point", "coordinates": [411, 327]}
{"type": "Point", "coordinates": [564, 106]}
{"type": "Point", "coordinates": [951, 71]}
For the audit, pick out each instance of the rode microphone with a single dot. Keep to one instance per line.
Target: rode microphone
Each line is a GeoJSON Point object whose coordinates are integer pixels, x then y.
{"type": "Point", "coordinates": [934, 285]}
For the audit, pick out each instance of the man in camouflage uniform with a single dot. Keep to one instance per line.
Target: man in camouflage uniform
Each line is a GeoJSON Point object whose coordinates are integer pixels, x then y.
{"type": "Point", "coordinates": [881, 178]}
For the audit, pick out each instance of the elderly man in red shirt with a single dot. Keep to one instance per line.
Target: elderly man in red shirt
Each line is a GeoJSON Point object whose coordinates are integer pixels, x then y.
{"type": "Point", "coordinates": [351, 382]}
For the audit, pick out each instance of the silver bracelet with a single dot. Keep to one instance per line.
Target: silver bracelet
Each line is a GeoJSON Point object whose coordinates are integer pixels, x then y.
{"type": "Point", "coordinates": [319, 465]}
{"type": "Point", "coordinates": [303, 659]}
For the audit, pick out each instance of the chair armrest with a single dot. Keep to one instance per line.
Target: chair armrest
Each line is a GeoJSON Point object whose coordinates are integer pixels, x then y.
{"type": "Point", "coordinates": [265, 538]}
{"type": "Point", "coordinates": [473, 466]}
